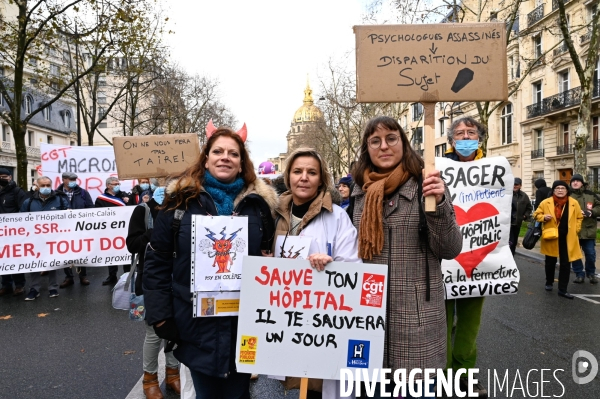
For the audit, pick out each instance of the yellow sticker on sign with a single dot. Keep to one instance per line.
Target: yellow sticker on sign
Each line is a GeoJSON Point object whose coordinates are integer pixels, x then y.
{"type": "Point", "coordinates": [248, 349]}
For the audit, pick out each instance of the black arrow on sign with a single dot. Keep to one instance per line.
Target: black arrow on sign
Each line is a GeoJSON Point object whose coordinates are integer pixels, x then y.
{"type": "Point", "coordinates": [433, 49]}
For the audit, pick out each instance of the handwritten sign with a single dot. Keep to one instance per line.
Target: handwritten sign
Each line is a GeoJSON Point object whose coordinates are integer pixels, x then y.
{"type": "Point", "coordinates": [431, 62]}
{"type": "Point", "coordinates": [298, 322]}
{"type": "Point", "coordinates": [482, 197]}
{"type": "Point", "coordinates": [155, 156]}
{"type": "Point", "coordinates": [93, 165]}
{"type": "Point", "coordinates": [38, 241]}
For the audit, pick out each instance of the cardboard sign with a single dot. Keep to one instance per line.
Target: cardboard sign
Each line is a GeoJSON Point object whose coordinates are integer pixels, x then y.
{"type": "Point", "coordinates": [155, 156]}
{"type": "Point", "coordinates": [298, 322]}
{"type": "Point", "coordinates": [431, 62]}
{"type": "Point", "coordinates": [93, 165]}
{"type": "Point", "coordinates": [482, 197]}
{"type": "Point", "coordinates": [40, 241]}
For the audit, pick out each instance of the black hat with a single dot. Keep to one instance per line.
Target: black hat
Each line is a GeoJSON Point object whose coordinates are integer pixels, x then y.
{"type": "Point", "coordinates": [577, 176]}
{"type": "Point", "coordinates": [518, 181]}
{"type": "Point", "coordinates": [4, 171]}
{"type": "Point", "coordinates": [559, 183]}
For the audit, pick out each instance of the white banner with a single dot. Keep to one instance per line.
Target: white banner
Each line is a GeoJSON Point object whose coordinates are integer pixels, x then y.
{"type": "Point", "coordinates": [292, 247]}
{"type": "Point", "coordinates": [482, 197]}
{"type": "Point", "coordinates": [93, 165]}
{"type": "Point", "coordinates": [218, 246]}
{"type": "Point", "coordinates": [39, 241]}
{"type": "Point", "coordinates": [298, 322]}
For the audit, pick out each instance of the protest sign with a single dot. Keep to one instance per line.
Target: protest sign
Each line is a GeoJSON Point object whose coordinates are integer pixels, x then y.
{"type": "Point", "coordinates": [431, 62]}
{"type": "Point", "coordinates": [298, 322]}
{"type": "Point", "coordinates": [155, 156]}
{"type": "Point", "coordinates": [218, 246]}
{"type": "Point", "coordinates": [93, 165]}
{"type": "Point", "coordinates": [482, 196]}
{"type": "Point", "coordinates": [226, 303]}
{"type": "Point", "coordinates": [292, 247]}
{"type": "Point", "coordinates": [38, 241]}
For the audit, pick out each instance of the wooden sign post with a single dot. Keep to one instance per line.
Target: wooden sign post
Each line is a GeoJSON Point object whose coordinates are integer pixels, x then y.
{"type": "Point", "coordinates": [430, 63]}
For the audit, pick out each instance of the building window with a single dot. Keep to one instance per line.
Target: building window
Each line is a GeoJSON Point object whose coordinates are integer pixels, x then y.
{"type": "Point", "coordinates": [102, 81]}
{"type": "Point", "coordinates": [594, 183]}
{"type": "Point", "coordinates": [101, 98]}
{"type": "Point", "coordinates": [563, 81]}
{"type": "Point", "coordinates": [67, 119]}
{"type": "Point", "coordinates": [538, 135]}
{"type": "Point", "coordinates": [4, 133]}
{"type": "Point", "coordinates": [595, 144]}
{"type": "Point", "coordinates": [30, 138]}
{"type": "Point", "coordinates": [506, 118]}
{"type": "Point", "coordinates": [537, 47]}
{"type": "Point", "coordinates": [101, 113]}
{"type": "Point", "coordinates": [28, 104]}
{"type": "Point", "coordinates": [47, 114]}
{"type": "Point", "coordinates": [49, 139]}
{"type": "Point", "coordinates": [54, 70]}
{"type": "Point", "coordinates": [417, 136]}
{"type": "Point", "coordinates": [440, 150]}
{"type": "Point", "coordinates": [417, 111]}
{"type": "Point", "coordinates": [537, 91]}
{"type": "Point", "coordinates": [565, 134]}
{"type": "Point", "coordinates": [442, 128]}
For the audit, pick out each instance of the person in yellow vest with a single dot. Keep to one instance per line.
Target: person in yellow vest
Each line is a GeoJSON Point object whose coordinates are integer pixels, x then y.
{"type": "Point", "coordinates": [561, 217]}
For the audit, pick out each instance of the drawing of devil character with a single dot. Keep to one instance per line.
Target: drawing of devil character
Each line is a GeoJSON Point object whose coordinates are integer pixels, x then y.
{"type": "Point", "coordinates": [224, 249]}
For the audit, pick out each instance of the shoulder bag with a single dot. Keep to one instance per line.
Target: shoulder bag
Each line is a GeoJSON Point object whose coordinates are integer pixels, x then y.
{"type": "Point", "coordinates": [533, 234]}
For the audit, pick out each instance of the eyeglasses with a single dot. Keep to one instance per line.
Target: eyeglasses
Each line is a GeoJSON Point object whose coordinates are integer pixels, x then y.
{"type": "Point", "coordinates": [560, 188]}
{"type": "Point", "coordinates": [390, 139]}
{"type": "Point", "coordinates": [472, 134]}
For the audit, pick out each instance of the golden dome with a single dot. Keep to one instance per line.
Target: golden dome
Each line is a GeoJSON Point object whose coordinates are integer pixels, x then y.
{"type": "Point", "coordinates": [308, 112]}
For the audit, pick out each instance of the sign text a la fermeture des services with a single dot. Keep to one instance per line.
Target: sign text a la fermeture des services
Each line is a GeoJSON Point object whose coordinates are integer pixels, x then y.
{"type": "Point", "coordinates": [431, 62]}
{"type": "Point", "coordinates": [155, 155]}
{"type": "Point", "coordinates": [298, 322]}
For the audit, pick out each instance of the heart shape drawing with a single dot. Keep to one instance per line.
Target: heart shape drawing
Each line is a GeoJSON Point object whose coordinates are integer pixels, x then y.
{"type": "Point", "coordinates": [469, 260]}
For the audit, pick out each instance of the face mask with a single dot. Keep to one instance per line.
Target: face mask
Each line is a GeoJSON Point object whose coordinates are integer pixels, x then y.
{"type": "Point", "coordinates": [45, 190]}
{"type": "Point", "coordinates": [144, 186]}
{"type": "Point", "coordinates": [466, 147]}
{"type": "Point", "coordinates": [3, 182]}
{"type": "Point", "coordinates": [117, 189]}
{"type": "Point", "coordinates": [72, 184]}
{"type": "Point", "coordinates": [153, 187]}
{"type": "Point", "coordinates": [159, 195]}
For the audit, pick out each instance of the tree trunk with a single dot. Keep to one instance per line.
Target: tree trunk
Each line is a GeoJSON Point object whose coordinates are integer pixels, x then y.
{"type": "Point", "coordinates": [582, 133]}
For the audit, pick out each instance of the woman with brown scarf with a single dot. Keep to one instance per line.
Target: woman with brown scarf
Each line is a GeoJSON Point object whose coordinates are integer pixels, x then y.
{"type": "Point", "coordinates": [561, 214]}
{"type": "Point", "coordinates": [387, 211]}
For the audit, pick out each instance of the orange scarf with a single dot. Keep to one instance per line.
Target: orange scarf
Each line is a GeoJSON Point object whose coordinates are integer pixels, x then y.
{"type": "Point", "coordinates": [377, 185]}
{"type": "Point", "coordinates": [559, 205]}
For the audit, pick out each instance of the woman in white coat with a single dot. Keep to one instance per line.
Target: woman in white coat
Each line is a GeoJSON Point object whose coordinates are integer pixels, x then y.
{"type": "Point", "coordinates": [306, 209]}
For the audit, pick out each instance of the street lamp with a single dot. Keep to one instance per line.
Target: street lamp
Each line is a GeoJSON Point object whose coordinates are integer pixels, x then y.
{"type": "Point", "coordinates": [457, 111]}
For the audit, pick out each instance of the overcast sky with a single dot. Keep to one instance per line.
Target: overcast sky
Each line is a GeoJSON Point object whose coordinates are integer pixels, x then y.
{"type": "Point", "coordinates": [261, 52]}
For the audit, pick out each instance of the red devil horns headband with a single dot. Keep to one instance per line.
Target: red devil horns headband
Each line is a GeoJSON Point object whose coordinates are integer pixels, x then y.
{"type": "Point", "coordinates": [210, 129]}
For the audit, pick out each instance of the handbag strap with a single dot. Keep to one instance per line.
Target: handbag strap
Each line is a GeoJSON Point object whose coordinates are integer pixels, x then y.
{"type": "Point", "coordinates": [131, 274]}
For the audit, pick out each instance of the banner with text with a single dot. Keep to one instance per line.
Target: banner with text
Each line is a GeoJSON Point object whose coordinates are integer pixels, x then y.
{"type": "Point", "coordinates": [93, 165]}
{"type": "Point", "coordinates": [482, 197]}
{"type": "Point", "coordinates": [298, 322]}
{"type": "Point", "coordinates": [39, 241]}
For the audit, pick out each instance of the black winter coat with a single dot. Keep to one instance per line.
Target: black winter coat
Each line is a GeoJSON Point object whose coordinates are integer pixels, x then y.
{"type": "Point", "coordinates": [207, 345]}
{"type": "Point", "coordinates": [541, 194]}
{"type": "Point", "coordinates": [11, 198]}
{"type": "Point", "coordinates": [81, 199]}
{"type": "Point", "coordinates": [138, 237]}
{"type": "Point", "coordinates": [56, 201]}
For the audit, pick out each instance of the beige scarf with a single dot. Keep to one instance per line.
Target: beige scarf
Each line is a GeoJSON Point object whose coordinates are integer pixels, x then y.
{"type": "Point", "coordinates": [377, 185]}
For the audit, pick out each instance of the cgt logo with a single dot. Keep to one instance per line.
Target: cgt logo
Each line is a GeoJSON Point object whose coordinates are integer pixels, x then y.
{"type": "Point", "coordinates": [372, 290]}
{"type": "Point", "coordinates": [584, 362]}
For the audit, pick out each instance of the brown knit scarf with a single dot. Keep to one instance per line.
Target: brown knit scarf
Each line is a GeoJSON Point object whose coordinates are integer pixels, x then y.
{"type": "Point", "coordinates": [377, 185]}
{"type": "Point", "coordinates": [559, 204]}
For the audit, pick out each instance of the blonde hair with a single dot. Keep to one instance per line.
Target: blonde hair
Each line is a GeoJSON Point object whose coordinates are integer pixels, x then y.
{"type": "Point", "coordinates": [326, 179]}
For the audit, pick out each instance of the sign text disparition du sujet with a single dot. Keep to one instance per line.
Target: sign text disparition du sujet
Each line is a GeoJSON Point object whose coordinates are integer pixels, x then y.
{"type": "Point", "coordinates": [431, 62]}
{"type": "Point", "coordinates": [155, 156]}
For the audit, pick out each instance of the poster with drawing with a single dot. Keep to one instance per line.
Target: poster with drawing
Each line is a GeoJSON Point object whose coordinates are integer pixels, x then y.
{"type": "Point", "coordinates": [292, 247]}
{"type": "Point", "coordinates": [219, 244]}
{"type": "Point", "coordinates": [482, 196]}
{"type": "Point", "coordinates": [211, 304]}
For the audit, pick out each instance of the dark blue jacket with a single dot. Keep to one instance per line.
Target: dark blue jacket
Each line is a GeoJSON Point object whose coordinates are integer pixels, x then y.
{"type": "Point", "coordinates": [207, 344]}
{"type": "Point", "coordinates": [56, 201]}
{"type": "Point", "coordinates": [11, 198]}
{"type": "Point", "coordinates": [81, 198]}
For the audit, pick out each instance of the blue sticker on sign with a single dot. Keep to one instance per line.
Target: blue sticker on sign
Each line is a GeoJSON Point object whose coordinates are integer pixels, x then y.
{"type": "Point", "coordinates": [358, 353]}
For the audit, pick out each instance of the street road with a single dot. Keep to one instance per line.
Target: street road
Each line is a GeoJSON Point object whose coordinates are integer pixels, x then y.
{"type": "Point", "coordinates": [78, 346]}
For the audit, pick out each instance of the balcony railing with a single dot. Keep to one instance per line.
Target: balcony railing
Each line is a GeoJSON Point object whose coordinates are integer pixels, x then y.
{"type": "Point", "coordinates": [564, 149]}
{"type": "Point", "coordinates": [593, 145]}
{"type": "Point", "coordinates": [535, 15]}
{"type": "Point", "coordinates": [585, 38]}
{"type": "Point", "coordinates": [555, 4]}
{"type": "Point", "coordinates": [537, 153]}
{"type": "Point", "coordinates": [559, 101]}
{"type": "Point", "coordinates": [33, 151]}
{"type": "Point", "coordinates": [6, 146]}
{"type": "Point", "coordinates": [562, 48]}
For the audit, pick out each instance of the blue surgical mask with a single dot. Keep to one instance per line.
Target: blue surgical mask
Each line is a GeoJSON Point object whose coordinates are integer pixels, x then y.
{"type": "Point", "coordinates": [153, 186]}
{"type": "Point", "coordinates": [144, 186]}
{"type": "Point", "coordinates": [45, 190]}
{"type": "Point", "coordinates": [72, 184]}
{"type": "Point", "coordinates": [117, 189]}
{"type": "Point", "coordinates": [466, 147]}
{"type": "Point", "coordinates": [159, 195]}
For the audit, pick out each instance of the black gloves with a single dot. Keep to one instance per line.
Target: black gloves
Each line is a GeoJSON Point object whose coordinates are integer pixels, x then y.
{"type": "Point", "coordinates": [587, 214]}
{"type": "Point", "coordinates": [168, 330]}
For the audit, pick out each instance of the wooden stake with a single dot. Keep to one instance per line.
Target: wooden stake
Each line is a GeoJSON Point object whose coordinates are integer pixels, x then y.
{"type": "Point", "coordinates": [429, 150]}
{"type": "Point", "coordinates": [303, 388]}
